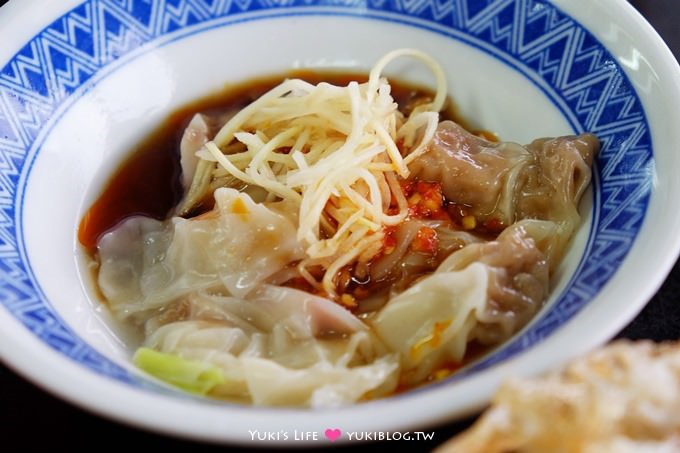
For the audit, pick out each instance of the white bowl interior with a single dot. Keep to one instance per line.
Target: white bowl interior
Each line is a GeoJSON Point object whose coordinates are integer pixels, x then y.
{"type": "Point", "coordinates": [101, 128]}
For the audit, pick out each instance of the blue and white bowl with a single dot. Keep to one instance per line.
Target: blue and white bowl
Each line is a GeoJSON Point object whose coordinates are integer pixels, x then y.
{"type": "Point", "coordinates": [82, 81]}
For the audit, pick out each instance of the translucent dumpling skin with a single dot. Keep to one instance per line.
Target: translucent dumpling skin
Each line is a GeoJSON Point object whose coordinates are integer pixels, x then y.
{"type": "Point", "coordinates": [329, 247]}
{"type": "Point", "coordinates": [279, 347]}
{"type": "Point", "coordinates": [217, 291]}
{"type": "Point", "coordinates": [144, 263]}
{"type": "Point", "coordinates": [505, 182]}
{"type": "Point", "coordinates": [485, 292]}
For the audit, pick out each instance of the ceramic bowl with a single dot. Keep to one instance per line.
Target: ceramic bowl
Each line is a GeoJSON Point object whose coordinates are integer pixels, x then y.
{"type": "Point", "coordinates": [81, 82]}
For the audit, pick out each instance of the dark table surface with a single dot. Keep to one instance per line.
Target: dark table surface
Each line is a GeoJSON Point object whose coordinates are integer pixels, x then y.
{"type": "Point", "coordinates": [32, 420]}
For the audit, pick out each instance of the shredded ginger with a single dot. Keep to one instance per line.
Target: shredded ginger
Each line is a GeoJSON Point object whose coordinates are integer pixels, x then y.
{"type": "Point", "coordinates": [333, 151]}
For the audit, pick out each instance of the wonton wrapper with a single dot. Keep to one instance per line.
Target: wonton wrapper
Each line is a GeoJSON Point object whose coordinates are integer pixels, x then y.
{"type": "Point", "coordinates": [146, 263]}
{"type": "Point", "coordinates": [505, 182]}
{"type": "Point", "coordinates": [486, 292]}
{"type": "Point", "coordinates": [281, 347]}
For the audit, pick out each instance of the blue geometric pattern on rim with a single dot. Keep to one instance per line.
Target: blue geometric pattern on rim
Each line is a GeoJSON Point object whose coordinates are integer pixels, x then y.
{"type": "Point", "coordinates": [534, 34]}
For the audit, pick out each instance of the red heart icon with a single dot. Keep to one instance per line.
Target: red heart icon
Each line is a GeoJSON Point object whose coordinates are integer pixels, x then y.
{"type": "Point", "coordinates": [332, 434]}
